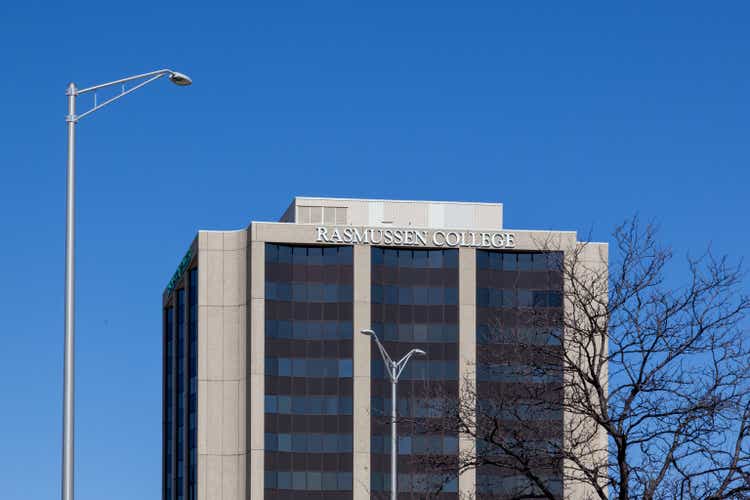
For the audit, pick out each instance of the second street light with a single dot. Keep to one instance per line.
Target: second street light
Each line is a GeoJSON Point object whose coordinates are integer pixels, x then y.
{"type": "Point", "coordinates": [394, 370]}
{"type": "Point", "coordinates": [69, 361]}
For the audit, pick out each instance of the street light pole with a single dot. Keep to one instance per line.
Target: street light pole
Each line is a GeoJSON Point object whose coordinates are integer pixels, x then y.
{"type": "Point", "coordinates": [69, 362]}
{"type": "Point", "coordinates": [394, 369]}
{"type": "Point", "coordinates": [68, 455]}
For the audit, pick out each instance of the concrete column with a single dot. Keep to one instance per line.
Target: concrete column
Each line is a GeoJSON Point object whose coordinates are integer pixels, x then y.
{"type": "Point", "coordinates": [592, 266]}
{"type": "Point", "coordinates": [362, 345]}
{"type": "Point", "coordinates": [257, 344]}
{"type": "Point", "coordinates": [221, 373]}
{"type": "Point", "coordinates": [467, 350]}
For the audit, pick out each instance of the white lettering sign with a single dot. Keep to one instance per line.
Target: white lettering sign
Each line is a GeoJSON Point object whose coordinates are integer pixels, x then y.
{"type": "Point", "coordinates": [413, 237]}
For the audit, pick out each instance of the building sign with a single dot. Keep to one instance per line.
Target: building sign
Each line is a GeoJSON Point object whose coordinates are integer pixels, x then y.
{"type": "Point", "coordinates": [413, 237]}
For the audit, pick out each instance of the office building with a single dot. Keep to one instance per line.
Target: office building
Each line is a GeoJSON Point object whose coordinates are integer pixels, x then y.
{"type": "Point", "coordinates": [270, 392]}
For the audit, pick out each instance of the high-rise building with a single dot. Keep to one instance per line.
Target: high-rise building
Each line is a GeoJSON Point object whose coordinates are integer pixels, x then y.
{"type": "Point", "coordinates": [271, 392]}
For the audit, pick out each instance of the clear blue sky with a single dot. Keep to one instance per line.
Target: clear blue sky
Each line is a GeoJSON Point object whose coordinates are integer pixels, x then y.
{"type": "Point", "coordinates": [574, 115]}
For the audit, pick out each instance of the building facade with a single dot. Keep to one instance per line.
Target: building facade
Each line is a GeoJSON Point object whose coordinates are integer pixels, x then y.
{"type": "Point", "coordinates": [270, 392]}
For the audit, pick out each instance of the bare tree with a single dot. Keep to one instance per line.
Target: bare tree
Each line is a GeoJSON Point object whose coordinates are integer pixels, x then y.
{"type": "Point", "coordinates": [651, 376]}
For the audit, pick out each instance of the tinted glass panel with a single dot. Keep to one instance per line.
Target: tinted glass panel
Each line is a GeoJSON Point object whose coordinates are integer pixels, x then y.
{"type": "Point", "coordinates": [414, 305]}
{"type": "Point", "coordinates": [519, 334]}
{"type": "Point", "coordinates": [308, 368]}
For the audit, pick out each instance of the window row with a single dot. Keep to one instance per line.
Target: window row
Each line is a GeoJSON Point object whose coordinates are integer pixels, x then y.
{"type": "Point", "coordinates": [550, 447]}
{"type": "Point", "coordinates": [492, 372]}
{"type": "Point", "coordinates": [308, 481]}
{"type": "Point", "coordinates": [487, 334]}
{"type": "Point", "coordinates": [493, 297]}
{"type": "Point", "coordinates": [308, 405]}
{"type": "Point", "coordinates": [515, 486]}
{"type": "Point", "coordinates": [431, 259]}
{"type": "Point", "coordinates": [416, 445]}
{"type": "Point", "coordinates": [308, 292]}
{"type": "Point", "coordinates": [508, 261]}
{"type": "Point", "coordinates": [417, 332]}
{"type": "Point", "coordinates": [414, 295]}
{"type": "Point", "coordinates": [309, 330]}
{"type": "Point", "coordinates": [420, 370]}
{"type": "Point", "coordinates": [518, 410]}
{"type": "Point", "coordinates": [311, 256]}
{"type": "Point", "coordinates": [407, 407]}
{"type": "Point", "coordinates": [309, 367]}
{"type": "Point", "coordinates": [309, 443]}
{"type": "Point", "coordinates": [418, 482]}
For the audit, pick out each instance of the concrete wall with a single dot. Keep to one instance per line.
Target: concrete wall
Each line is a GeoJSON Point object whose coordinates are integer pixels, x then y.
{"type": "Point", "coordinates": [221, 365]}
{"type": "Point", "coordinates": [585, 439]}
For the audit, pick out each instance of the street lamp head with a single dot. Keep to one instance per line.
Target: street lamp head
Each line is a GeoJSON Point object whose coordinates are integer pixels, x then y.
{"type": "Point", "coordinates": [420, 352]}
{"type": "Point", "coordinates": [367, 332]}
{"type": "Point", "coordinates": [180, 79]}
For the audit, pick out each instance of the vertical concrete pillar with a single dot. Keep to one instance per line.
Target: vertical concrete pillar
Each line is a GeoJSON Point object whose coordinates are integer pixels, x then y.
{"type": "Point", "coordinates": [257, 343]}
{"type": "Point", "coordinates": [362, 345]}
{"type": "Point", "coordinates": [467, 319]}
{"type": "Point", "coordinates": [591, 269]}
{"type": "Point", "coordinates": [221, 373]}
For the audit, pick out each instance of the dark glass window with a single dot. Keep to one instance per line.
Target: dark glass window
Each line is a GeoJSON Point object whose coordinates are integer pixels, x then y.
{"type": "Point", "coordinates": [519, 310]}
{"type": "Point", "coordinates": [308, 372]}
{"type": "Point", "coordinates": [414, 305]}
{"type": "Point", "coordinates": [169, 398]}
{"type": "Point", "coordinates": [193, 383]}
{"type": "Point", "coordinates": [180, 392]}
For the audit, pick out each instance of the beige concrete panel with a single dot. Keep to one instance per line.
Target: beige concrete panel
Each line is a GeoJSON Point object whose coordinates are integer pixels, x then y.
{"type": "Point", "coordinates": [523, 240]}
{"type": "Point", "coordinates": [213, 262]}
{"type": "Point", "coordinates": [235, 240]}
{"type": "Point", "coordinates": [202, 280]}
{"type": "Point", "coordinates": [256, 369]}
{"type": "Point", "coordinates": [467, 280]}
{"type": "Point", "coordinates": [234, 277]}
{"type": "Point", "coordinates": [202, 416]}
{"type": "Point", "coordinates": [361, 458]}
{"type": "Point", "coordinates": [242, 416]}
{"type": "Point", "coordinates": [595, 253]}
{"type": "Point", "coordinates": [213, 477]}
{"type": "Point", "coordinates": [362, 346]}
{"type": "Point", "coordinates": [202, 495]}
{"type": "Point", "coordinates": [203, 332]}
{"type": "Point", "coordinates": [258, 270]}
{"type": "Point", "coordinates": [459, 216]}
{"type": "Point", "coordinates": [231, 343]}
{"type": "Point", "coordinates": [242, 476]}
{"type": "Point", "coordinates": [230, 421]}
{"type": "Point", "coordinates": [548, 240]}
{"type": "Point", "coordinates": [256, 474]}
{"type": "Point", "coordinates": [592, 265]}
{"type": "Point", "coordinates": [257, 393]}
{"type": "Point", "coordinates": [257, 338]}
{"type": "Point", "coordinates": [489, 216]}
{"type": "Point", "coordinates": [230, 479]}
{"type": "Point", "coordinates": [215, 405]}
{"type": "Point", "coordinates": [242, 340]}
{"type": "Point", "coordinates": [214, 240]}
{"type": "Point", "coordinates": [214, 353]}
{"type": "Point", "coordinates": [285, 233]}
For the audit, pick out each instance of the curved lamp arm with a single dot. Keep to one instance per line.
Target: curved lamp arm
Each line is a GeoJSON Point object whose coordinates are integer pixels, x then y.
{"type": "Point", "coordinates": [390, 365]}
{"type": "Point", "coordinates": [174, 76]}
{"type": "Point", "coordinates": [401, 364]}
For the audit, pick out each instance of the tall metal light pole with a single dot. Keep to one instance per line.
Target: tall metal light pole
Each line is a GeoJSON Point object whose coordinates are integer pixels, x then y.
{"type": "Point", "coordinates": [394, 369]}
{"type": "Point", "coordinates": [69, 363]}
